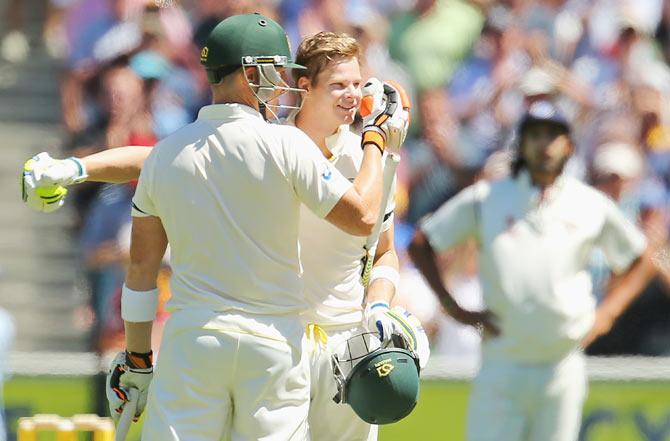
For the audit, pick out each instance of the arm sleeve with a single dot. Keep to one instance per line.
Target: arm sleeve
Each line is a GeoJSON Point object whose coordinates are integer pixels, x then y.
{"type": "Point", "coordinates": [621, 241]}
{"type": "Point", "coordinates": [318, 184]}
{"type": "Point", "coordinates": [453, 222]}
{"type": "Point", "coordinates": [143, 204]}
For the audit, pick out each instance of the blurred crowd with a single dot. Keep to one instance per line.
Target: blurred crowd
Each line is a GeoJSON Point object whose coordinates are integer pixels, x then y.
{"type": "Point", "coordinates": [131, 75]}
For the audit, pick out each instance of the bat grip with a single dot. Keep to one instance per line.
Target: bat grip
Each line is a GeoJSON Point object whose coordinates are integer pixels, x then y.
{"type": "Point", "coordinates": [127, 415]}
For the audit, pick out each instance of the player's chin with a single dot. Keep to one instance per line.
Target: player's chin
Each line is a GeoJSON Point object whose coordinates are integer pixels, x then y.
{"type": "Point", "coordinates": [346, 115]}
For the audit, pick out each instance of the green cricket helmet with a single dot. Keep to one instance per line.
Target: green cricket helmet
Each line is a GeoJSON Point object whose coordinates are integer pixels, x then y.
{"type": "Point", "coordinates": [380, 384]}
{"type": "Point", "coordinates": [250, 40]}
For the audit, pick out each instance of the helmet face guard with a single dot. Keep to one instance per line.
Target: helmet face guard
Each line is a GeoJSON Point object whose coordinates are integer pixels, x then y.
{"type": "Point", "coordinates": [380, 383]}
{"type": "Point", "coordinates": [270, 81]}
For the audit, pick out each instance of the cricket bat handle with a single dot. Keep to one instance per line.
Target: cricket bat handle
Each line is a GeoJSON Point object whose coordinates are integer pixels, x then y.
{"type": "Point", "coordinates": [390, 165]}
{"type": "Point", "coordinates": [127, 415]}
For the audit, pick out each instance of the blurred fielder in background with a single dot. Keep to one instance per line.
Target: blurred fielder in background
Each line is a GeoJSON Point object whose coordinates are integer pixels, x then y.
{"type": "Point", "coordinates": [535, 232]}
{"type": "Point", "coordinates": [332, 277]}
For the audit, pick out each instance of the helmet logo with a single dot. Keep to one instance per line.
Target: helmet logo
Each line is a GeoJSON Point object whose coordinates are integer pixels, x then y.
{"type": "Point", "coordinates": [204, 53]}
{"type": "Point", "coordinates": [384, 367]}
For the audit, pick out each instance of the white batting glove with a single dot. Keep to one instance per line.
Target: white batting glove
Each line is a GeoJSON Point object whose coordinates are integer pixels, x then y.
{"type": "Point", "coordinates": [380, 101]}
{"type": "Point", "coordinates": [63, 172]}
{"type": "Point", "coordinates": [128, 370]}
{"type": "Point", "coordinates": [42, 198]}
{"type": "Point", "coordinates": [397, 125]}
{"type": "Point", "coordinates": [376, 319]}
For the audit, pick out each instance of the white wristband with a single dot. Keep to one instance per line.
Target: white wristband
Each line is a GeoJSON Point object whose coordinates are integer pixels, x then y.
{"type": "Point", "coordinates": [138, 306]}
{"type": "Point", "coordinates": [385, 272]}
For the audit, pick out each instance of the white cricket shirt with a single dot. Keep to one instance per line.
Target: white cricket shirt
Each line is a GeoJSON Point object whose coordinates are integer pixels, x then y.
{"type": "Point", "coordinates": [331, 258]}
{"type": "Point", "coordinates": [228, 190]}
{"type": "Point", "coordinates": [534, 250]}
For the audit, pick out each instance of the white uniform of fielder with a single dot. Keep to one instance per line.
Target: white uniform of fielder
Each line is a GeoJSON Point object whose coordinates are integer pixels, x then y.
{"type": "Point", "coordinates": [228, 190]}
{"type": "Point", "coordinates": [534, 250]}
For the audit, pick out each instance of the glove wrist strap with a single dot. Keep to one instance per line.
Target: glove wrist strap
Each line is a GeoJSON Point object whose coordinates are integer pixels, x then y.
{"type": "Point", "coordinates": [140, 360]}
{"type": "Point", "coordinates": [81, 170]}
{"type": "Point", "coordinates": [373, 135]}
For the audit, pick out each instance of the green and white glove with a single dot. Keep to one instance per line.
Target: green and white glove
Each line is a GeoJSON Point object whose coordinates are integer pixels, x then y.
{"type": "Point", "coordinates": [44, 179]}
{"type": "Point", "coordinates": [376, 319]}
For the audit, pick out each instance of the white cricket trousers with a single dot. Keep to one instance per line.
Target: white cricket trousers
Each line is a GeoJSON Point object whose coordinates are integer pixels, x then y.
{"type": "Point", "coordinates": [329, 421]}
{"type": "Point", "coordinates": [222, 376]}
{"type": "Point", "coordinates": [528, 402]}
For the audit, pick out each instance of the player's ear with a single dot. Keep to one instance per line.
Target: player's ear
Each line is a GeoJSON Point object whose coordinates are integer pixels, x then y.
{"type": "Point", "coordinates": [304, 83]}
{"type": "Point", "coordinates": [251, 73]}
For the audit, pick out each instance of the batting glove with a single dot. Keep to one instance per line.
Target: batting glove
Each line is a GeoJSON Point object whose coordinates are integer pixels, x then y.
{"type": "Point", "coordinates": [380, 101]}
{"type": "Point", "coordinates": [63, 172]}
{"type": "Point", "coordinates": [397, 125]}
{"type": "Point", "coordinates": [42, 198]}
{"type": "Point", "coordinates": [128, 370]}
{"type": "Point", "coordinates": [376, 319]}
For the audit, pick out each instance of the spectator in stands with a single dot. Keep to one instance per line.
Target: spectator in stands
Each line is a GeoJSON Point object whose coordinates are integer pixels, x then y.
{"type": "Point", "coordinates": [433, 37]}
{"type": "Point", "coordinates": [618, 171]}
{"type": "Point", "coordinates": [436, 170]}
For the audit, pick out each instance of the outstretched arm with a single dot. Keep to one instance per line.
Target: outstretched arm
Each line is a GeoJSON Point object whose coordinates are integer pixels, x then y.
{"type": "Point", "coordinates": [44, 179]}
{"type": "Point", "coordinates": [117, 166]}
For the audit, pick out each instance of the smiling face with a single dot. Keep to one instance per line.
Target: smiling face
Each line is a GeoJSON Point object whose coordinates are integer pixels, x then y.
{"type": "Point", "coordinates": [332, 78]}
{"type": "Point", "coordinates": [335, 92]}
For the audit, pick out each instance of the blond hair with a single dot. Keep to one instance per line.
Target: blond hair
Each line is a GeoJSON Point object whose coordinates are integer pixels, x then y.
{"type": "Point", "coordinates": [317, 51]}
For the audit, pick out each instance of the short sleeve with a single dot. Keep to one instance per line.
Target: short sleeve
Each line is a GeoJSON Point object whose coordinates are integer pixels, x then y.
{"type": "Point", "coordinates": [453, 222]}
{"type": "Point", "coordinates": [143, 204]}
{"type": "Point", "coordinates": [316, 181]}
{"type": "Point", "coordinates": [620, 240]}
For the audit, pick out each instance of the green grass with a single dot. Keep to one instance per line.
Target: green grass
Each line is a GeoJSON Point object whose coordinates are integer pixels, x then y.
{"type": "Point", "coordinates": [621, 411]}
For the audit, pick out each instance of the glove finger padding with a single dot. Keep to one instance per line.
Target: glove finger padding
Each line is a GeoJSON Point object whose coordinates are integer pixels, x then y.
{"type": "Point", "coordinates": [43, 199]}
{"type": "Point", "coordinates": [377, 319]}
{"type": "Point", "coordinates": [379, 102]}
{"type": "Point", "coordinates": [414, 334]}
{"type": "Point", "coordinates": [120, 379]}
{"type": "Point", "coordinates": [397, 125]}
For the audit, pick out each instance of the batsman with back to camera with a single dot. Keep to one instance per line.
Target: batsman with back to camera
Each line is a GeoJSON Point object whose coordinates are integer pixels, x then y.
{"type": "Point", "coordinates": [535, 231]}
{"type": "Point", "coordinates": [332, 81]}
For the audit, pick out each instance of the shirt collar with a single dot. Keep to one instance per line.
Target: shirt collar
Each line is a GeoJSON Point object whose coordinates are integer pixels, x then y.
{"type": "Point", "coordinates": [535, 195]}
{"type": "Point", "coordinates": [228, 110]}
{"type": "Point", "coordinates": [334, 142]}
